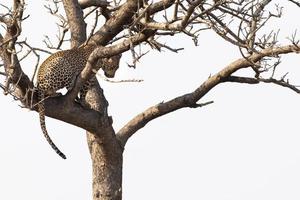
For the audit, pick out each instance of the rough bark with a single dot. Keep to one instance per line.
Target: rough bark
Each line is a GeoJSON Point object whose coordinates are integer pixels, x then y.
{"type": "Point", "coordinates": [76, 22]}
{"type": "Point", "coordinates": [106, 153]}
{"type": "Point", "coordinates": [116, 23]}
{"type": "Point", "coordinates": [107, 168]}
{"type": "Point", "coordinates": [89, 3]}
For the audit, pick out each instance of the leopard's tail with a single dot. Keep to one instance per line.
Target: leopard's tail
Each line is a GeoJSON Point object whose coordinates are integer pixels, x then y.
{"type": "Point", "coordinates": [41, 110]}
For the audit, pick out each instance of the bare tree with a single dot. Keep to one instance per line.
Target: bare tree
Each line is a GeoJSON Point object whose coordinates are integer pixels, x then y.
{"type": "Point", "coordinates": [125, 25]}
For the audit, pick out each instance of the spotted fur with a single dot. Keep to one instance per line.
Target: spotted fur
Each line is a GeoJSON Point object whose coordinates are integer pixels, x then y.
{"type": "Point", "coordinates": [59, 71]}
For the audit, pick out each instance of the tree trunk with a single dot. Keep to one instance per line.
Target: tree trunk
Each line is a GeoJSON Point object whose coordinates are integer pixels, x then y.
{"type": "Point", "coordinates": [107, 169]}
{"type": "Point", "coordinates": [106, 152]}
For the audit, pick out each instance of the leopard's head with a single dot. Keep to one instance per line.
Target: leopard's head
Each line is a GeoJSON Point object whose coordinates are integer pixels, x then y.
{"type": "Point", "coordinates": [110, 65]}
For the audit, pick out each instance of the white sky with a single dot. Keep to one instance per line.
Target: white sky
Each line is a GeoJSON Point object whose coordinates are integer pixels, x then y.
{"type": "Point", "coordinates": [244, 146]}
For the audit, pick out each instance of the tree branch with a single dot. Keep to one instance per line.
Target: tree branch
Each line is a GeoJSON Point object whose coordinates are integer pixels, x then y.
{"type": "Point", "coordinates": [76, 22]}
{"type": "Point", "coordinates": [15, 74]}
{"type": "Point", "coordinates": [89, 3]}
{"type": "Point", "coordinates": [159, 6]}
{"type": "Point", "coordinates": [297, 3]}
{"type": "Point", "coordinates": [190, 99]}
{"type": "Point", "coordinates": [73, 113]}
{"type": "Point", "coordinates": [121, 18]}
{"type": "Point", "coordinates": [253, 24]}
{"type": "Point", "coordinates": [249, 80]}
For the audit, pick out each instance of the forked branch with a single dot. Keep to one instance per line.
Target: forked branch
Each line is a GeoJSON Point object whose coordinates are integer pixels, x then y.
{"type": "Point", "coordinates": [191, 99]}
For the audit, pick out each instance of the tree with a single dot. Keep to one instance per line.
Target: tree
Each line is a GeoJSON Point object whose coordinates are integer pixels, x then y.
{"type": "Point", "coordinates": [126, 25]}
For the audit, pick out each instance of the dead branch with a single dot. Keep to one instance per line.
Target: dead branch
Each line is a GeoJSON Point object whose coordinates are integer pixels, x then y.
{"type": "Point", "coordinates": [191, 99]}
{"type": "Point", "coordinates": [257, 14]}
{"type": "Point", "coordinates": [157, 45]}
{"type": "Point", "coordinates": [15, 75]}
{"type": "Point", "coordinates": [94, 27]}
{"type": "Point", "coordinates": [76, 22]}
{"type": "Point", "coordinates": [297, 3]}
{"type": "Point", "coordinates": [113, 26]}
{"type": "Point", "coordinates": [33, 50]}
{"type": "Point", "coordinates": [249, 80]}
{"type": "Point", "coordinates": [160, 6]}
{"type": "Point", "coordinates": [89, 3]}
{"type": "Point", "coordinates": [63, 26]}
{"type": "Point", "coordinates": [120, 81]}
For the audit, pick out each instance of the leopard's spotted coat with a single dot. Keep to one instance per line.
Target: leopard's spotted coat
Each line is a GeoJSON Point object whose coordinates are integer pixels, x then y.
{"type": "Point", "coordinates": [59, 71]}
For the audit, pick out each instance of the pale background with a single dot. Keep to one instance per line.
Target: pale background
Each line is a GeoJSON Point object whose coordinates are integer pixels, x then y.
{"type": "Point", "coordinates": [244, 146]}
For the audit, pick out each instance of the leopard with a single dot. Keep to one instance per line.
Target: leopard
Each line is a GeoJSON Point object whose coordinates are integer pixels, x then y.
{"type": "Point", "coordinates": [60, 70]}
